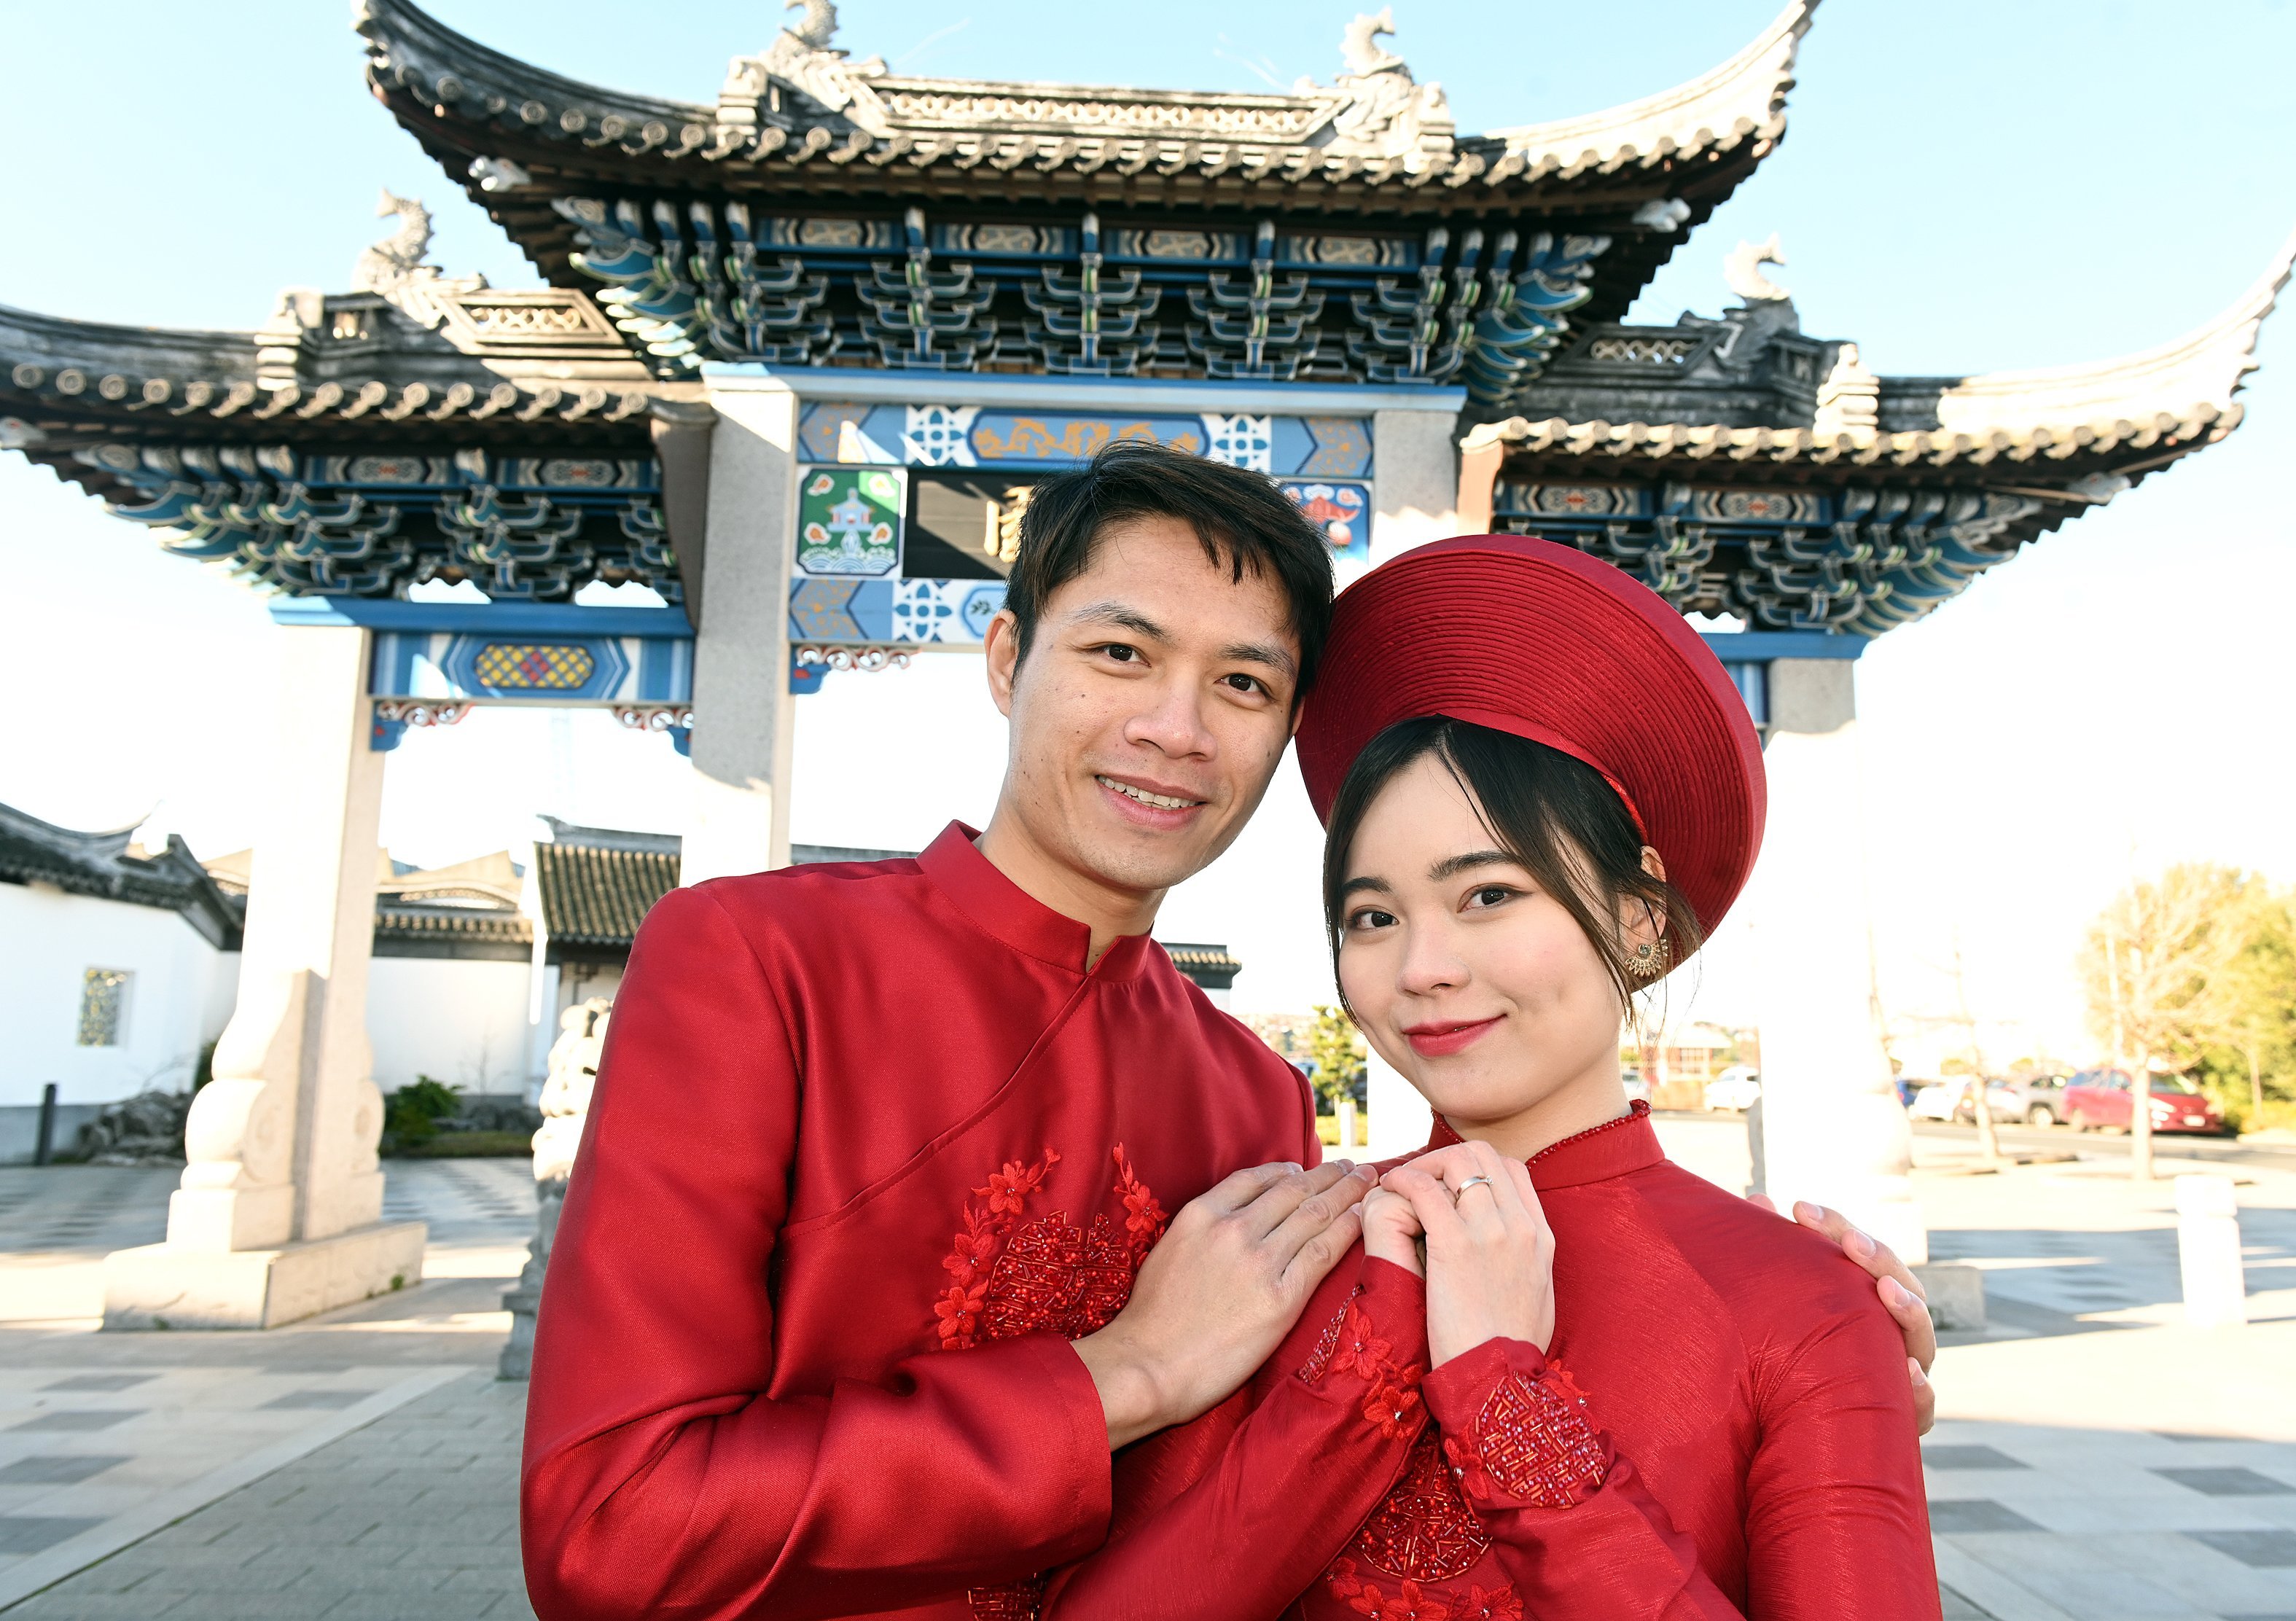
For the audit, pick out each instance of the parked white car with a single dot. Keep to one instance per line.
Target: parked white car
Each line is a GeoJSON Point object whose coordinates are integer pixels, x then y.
{"type": "Point", "coordinates": [1736, 1088]}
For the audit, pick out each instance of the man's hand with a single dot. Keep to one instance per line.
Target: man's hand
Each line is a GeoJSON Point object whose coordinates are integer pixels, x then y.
{"type": "Point", "coordinates": [1901, 1293]}
{"type": "Point", "coordinates": [1219, 1292]}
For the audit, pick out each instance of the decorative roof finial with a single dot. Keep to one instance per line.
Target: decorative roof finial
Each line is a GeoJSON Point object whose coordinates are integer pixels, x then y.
{"type": "Point", "coordinates": [389, 266]}
{"type": "Point", "coordinates": [1359, 45]}
{"type": "Point", "coordinates": [1741, 268]}
{"type": "Point", "coordinates": [818, 26]}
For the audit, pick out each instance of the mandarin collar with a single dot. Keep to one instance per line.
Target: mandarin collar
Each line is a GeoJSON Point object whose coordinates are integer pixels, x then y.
{"type": "Point", "coordinates": [993, 902]}
{"type": "Point", "coordinates": [1612, 1148]}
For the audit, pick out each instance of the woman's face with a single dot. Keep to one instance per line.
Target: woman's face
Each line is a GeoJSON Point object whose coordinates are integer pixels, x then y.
{"type": "Point", "coordinates": [1469, 978]}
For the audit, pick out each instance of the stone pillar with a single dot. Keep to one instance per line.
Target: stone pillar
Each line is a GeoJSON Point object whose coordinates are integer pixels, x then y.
{"type": "Point", "coordinates": [1832, 1130]}
{"type": "Point", "coordinates": [1415, 489]}
{"type": "Point", "coordinates": [744, 716]}
{"type": "Point", "coordinates": [1414, 496]}
{"type": "Point", "coordinates": [278, 1216]}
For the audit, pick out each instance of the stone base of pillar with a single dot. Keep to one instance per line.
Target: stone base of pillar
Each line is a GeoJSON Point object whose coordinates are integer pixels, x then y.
{"type": "Point", "coordinates": [1955, 1291]}
{"type": "Point", "coordinates": [161, 1286]}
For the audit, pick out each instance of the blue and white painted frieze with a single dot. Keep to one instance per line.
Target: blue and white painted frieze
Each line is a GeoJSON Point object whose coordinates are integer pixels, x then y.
{"type": "Point", "coordinates": [989, 437]}
{"type": "Point", "coordinates": [876, 612]}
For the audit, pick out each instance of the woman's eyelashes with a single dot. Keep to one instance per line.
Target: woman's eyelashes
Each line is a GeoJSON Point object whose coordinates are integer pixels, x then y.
{"type": "Point", "coordinates": [1483, 897]}
{"type": "Point", "coordinates": [1364, 919]}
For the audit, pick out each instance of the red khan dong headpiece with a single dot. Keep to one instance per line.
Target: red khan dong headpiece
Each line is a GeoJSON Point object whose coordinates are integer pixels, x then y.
{"type": "Point", "coordinates": [1546, 642]}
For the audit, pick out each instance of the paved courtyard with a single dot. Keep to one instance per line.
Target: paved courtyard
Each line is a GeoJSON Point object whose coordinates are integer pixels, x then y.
{"type": "Point", "coordinates": [2095, 1459]}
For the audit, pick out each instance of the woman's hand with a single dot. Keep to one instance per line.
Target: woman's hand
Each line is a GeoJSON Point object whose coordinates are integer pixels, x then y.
{"type": "Point", "coordinates": [1392, 1231]}
{"type": "Point", "coordinates": [1490, 1253]}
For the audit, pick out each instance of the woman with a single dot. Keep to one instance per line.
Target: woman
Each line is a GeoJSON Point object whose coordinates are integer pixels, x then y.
{"type": "Point", "coordinates": [1635, 1394]}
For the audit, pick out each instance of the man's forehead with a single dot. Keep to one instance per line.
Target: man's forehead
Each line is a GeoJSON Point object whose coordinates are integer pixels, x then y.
{"type": "Point", "coordinates": [1163, 561]}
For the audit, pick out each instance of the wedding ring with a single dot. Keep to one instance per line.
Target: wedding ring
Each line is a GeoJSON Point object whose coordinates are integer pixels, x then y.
{"type": "Point", "coordinates": [1470, 1183]}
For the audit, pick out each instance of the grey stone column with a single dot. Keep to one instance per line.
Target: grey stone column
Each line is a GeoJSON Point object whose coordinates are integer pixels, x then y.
{"type": "Point", "coordinates": [1415, 490]}
{"type": "Point", "coordinates": [278, 1216]}
{"type": "Point", "coordinates": [1832, 1130]}
{"type": "Point", "coordinates": [743, 714]}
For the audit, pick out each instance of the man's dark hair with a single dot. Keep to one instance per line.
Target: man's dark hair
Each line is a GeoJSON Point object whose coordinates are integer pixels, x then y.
{"type": "Point", "coordinates": [1245, 524]}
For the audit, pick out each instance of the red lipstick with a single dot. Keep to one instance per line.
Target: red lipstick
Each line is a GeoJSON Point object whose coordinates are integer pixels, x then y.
{"type": "Point", "coordinates": [1440, 1038]}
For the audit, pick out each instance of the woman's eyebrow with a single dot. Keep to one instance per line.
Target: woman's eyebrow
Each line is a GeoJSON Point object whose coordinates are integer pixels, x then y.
{"type": "Point", "coordinates": [1451, 867]}
{"type": "Point", "coordinates": [1355, 886]}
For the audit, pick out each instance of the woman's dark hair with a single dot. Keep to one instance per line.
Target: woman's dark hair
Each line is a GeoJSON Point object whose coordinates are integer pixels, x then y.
{"type": "Point", "coordinates": [1554, 815]}
{"type": "Point", "coordinates": [1243, 522]}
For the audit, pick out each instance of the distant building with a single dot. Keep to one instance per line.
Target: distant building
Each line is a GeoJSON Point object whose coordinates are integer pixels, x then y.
{"type": "Point", "coordinates": [119, 966]}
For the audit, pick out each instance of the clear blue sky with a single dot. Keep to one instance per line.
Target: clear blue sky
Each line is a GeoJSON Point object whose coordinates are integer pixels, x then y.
{"type": "Point", "coordinates": [1963, 188]}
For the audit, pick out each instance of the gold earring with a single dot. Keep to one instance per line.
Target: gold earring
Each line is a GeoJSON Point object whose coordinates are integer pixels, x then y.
{"type": "Point", "coordinates": [1651, 959]}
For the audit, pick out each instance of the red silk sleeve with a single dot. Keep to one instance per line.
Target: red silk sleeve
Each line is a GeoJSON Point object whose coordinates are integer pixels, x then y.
{"type": "Point", "coordinates": [1572, 1523]}
{"type": "Point", "coordinates": [658, 1480]}
{"type": "Point", "coordinates": [1324, 1439]}
{"type": "Point", "coordinates": [1837, 1519]}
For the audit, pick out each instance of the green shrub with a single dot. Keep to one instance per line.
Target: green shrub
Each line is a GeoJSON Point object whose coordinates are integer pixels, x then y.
{"type": "Point", "coordinates": [411, 1117]}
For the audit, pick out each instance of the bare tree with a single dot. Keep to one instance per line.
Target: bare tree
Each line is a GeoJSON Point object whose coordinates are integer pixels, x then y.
{"type": "Point", "coordinates": [1988, 1139]}
{"type": "Point", "coordinates": [2147, 965]}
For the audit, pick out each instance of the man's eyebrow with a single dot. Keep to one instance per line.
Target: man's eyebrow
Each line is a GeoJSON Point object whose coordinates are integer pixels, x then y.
{"type": "Point", "coordinates": [1451, 867]}
{"type": "Point", "coordinates": [1127, 618]}
{"type": "Point", "coordinates": [1268, 653]}
{"type": "Point", "coordinates": [1356, 886]}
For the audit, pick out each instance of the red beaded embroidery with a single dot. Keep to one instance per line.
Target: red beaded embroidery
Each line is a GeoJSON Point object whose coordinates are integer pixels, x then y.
{"type": "Point", "coordinates": [1532, 1441]}
{"type": "Point", "coordinates": [1327, 1342]}
{"type": "Point", "coordinates": [1409, 1602]}
{"type": "Point", "coordinates": [1015, 1601]}
{"type": "Point", "coordinates": [1048, 1274]}
{"type": "Point", "coordinates": [1422, 1529]}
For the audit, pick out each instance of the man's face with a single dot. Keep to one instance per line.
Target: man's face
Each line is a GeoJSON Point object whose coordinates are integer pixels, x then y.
{"type": "Point", "coordinates": [1150, 712]}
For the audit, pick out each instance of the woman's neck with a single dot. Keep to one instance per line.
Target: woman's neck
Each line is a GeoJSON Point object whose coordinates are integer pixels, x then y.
{"type": "Point", "coordinates": [1591, 1098]}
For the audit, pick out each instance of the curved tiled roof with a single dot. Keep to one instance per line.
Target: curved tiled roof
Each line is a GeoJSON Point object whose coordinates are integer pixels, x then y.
{"type": "Point", "coordinates": [596, 896]}
{"type": "Point", "coordinates": [1741, 103]}
{"type": "Point", "coordinates": [803, 117]}
{"type": "Point", "coordinates": [102, 864]}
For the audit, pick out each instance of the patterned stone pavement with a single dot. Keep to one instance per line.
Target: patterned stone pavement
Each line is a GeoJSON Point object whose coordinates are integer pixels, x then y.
{"type": "Point", "coordinates": [2095, 1461]}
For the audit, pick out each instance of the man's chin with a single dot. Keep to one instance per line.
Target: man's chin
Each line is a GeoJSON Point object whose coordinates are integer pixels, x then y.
{"type": "Point", "coordinates": [1147, 861]}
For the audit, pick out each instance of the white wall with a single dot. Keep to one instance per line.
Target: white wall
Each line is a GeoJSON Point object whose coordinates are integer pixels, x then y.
{"type": "Point", "coordinates": [176, 1002]}
{"type": "Point", "coordinates": [461, 1023]}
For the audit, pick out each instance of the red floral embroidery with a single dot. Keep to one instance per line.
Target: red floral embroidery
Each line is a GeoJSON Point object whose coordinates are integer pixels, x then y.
{"type": "Point", "coordinates": [1533, 1441]}
{"type": "Point", "coordinates": [1500, 1603]}
{"type": "Point", "coordinates": [988, 1217]}
{"type": "Point", "coordinates": [1349, 1347]}
{"type": "Point", "coordinates": [1008, 1278]}
{"type": "Point", "coordinates": [1408, 1602]}
{"type": "Point", "coordinates": [1422, 1529]}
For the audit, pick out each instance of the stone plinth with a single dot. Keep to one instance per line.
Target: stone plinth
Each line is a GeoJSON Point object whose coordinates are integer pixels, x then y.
{"type": "Point", "coordinates": [163, 1286]}
{"type": "Point", "coordinates": [1955, 1291]}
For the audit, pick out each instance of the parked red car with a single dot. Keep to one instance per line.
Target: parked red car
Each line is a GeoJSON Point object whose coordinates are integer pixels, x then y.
{"type": "Point", "coordinates": [2101, 1099]}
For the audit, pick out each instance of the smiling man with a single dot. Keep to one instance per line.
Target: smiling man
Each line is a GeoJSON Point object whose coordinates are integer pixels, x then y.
{"type": "Point", "coordinates": [846, 1312]}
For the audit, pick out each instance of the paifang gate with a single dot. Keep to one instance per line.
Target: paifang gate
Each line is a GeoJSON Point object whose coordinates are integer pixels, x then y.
{"type": "Point", "coordinates": [802, 352]}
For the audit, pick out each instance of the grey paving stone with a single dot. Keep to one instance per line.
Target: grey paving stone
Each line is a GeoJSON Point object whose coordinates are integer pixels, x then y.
{"type": "Point", "coordinates": [101, 1381]}
{"type": "Point", "coordinates": [1956, 1516]}
{"type": "Point", "coordinates": [34, 1533]}
{"type": "Point", "coordinates": [2264, 1549]}
{"type": "Point", "coordinates": [54, 1471]}
{"type": "Point", "coordinates": [1969, 1457]}
{"type": "Point", "coordinates": [71, 1421]}
{"type": "Point", "coordinates": [1959, 1609]}
{"type": "Point", "coordinates": [333, 1401]}
{"type": "Point", "coordinates": [2228, 1482]}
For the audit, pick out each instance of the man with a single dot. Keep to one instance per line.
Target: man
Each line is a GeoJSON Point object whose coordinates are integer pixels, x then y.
{"type": "Point", "coordinates": [842, 1316]}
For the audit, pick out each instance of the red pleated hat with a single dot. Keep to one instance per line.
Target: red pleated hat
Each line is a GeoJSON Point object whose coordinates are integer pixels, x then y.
{"type": "Point", "coordinates": [1542, 641]}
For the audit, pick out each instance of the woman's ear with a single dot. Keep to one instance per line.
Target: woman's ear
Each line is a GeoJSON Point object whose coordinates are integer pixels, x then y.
{"type": "Point", "coordinates": [1653, 864]}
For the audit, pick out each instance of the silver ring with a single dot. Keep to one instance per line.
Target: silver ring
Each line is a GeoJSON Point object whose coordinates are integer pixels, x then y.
{"type": "Point", "coordinates": [1470, 1183]}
